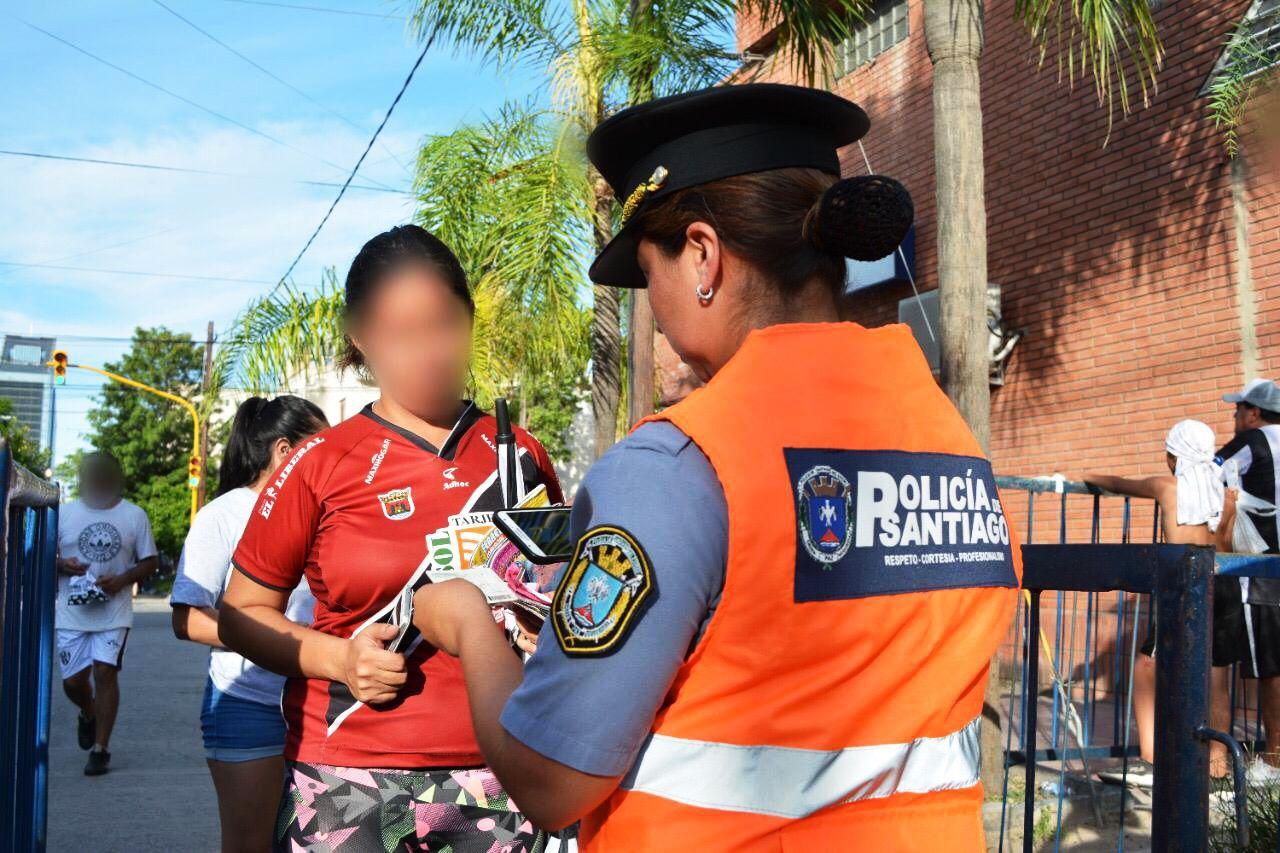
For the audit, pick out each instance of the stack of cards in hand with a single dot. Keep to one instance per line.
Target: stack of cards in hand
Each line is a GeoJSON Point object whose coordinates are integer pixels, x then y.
{"type": "Point", "coordinates": [473, 549]}
{"type": "Point", "coordinates": [469, 547]}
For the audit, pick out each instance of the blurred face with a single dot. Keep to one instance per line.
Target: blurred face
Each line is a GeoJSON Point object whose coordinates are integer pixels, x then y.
{"type": "Point", "coordinates": [415, 335]}
{"type": "Point", "coordinates": [705, 333]}
{"type": "Point", "coordinates": [100, 482]}
{"type": "Point", "coordinates": [1171, 461]}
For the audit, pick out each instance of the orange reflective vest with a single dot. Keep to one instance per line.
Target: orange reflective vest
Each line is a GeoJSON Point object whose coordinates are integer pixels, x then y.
{"type": "Point", "coordinates": [833, 701]}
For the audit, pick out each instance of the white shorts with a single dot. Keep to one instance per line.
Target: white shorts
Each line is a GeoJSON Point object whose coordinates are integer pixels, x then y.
{"type": "Point", "coordinates": [77, 650]}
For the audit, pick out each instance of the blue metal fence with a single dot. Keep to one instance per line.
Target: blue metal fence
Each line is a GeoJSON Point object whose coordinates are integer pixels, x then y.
{"type": "Point", "coordinates": [29, 533]}
{"type": "Point", "coordinates": [1084, 645]}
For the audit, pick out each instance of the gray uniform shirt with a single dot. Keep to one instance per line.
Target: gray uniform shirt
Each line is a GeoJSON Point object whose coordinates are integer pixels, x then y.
{"type": "Point", "coordinates": [593, 713]}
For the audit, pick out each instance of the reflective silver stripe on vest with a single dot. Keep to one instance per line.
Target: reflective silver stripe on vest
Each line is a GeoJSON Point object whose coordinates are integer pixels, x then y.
{"type": "Point", "coordinates": [793, 783]}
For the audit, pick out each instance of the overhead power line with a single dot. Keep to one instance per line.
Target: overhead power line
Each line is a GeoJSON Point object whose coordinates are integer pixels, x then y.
{"type": "Point", "coordinates": [59, 260]}
{"type": "Point", "coordinates": [407, 80]}
{"type": "Point", "coordinates": [301, 8]}
{"type": "Point", "coordinates": [268, 72]}
{"type": "Point", "coordinates": [137, 273]}
{"type": "Point", "coordinates": [182, 98]}
{"type": "Point", "coordinates": [193, 171]}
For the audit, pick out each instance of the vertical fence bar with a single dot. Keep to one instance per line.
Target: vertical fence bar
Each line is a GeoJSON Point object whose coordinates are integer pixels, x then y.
{"type": "Point", "coordinates": [46, 593]}
{"type": "Point", "coordinates": [1032, 688]}
{"type": "Point", "coordinates": [26, 690]}
{"type": "Point", "coordinates": [10, 597]}
{"type": "Point", "coordinates": [1180, 797]}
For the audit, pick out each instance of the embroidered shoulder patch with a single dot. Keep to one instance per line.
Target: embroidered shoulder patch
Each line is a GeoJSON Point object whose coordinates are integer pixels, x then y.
{"type": "Point", "coordinates": [604, 587]}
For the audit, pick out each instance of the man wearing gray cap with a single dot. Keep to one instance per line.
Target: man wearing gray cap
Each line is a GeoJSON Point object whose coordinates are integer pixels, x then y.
{"type": "Point", "coordinates": [1249, 465]}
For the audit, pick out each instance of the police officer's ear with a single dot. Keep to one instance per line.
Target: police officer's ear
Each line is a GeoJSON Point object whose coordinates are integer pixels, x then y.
{"type": "Point", "coordinates": [705, 259]}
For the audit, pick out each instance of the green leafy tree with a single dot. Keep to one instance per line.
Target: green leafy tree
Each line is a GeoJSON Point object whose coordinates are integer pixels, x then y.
{"type": "Point", "coordinates": [25, 448]}
{"type": "Point", "coordinates": [151, 436]}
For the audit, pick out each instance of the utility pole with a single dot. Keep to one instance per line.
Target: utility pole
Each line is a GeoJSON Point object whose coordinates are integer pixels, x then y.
{"type": "Point", "coordinates": [205, 386]}
{"type": "Point", "coordinates": [640, 358]}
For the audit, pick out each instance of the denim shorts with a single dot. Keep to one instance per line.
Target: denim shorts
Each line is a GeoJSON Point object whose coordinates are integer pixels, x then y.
{"type": "Point", "coordinates": [239, 730]}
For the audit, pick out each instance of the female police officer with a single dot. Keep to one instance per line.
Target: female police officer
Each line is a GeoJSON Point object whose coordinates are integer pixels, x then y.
{"type": "Point", "coordinates": [775, 629]}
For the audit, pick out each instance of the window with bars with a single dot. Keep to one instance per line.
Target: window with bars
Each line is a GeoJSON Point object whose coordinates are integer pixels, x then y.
{"type": "Point", "coordinates": [885, 25]}
{"type": "Point", "coordinates": [1255, 45]}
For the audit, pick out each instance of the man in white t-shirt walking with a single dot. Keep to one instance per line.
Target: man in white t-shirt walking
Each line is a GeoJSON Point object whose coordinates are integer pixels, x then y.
{"type": "Point", "coordinates": [105, 546]}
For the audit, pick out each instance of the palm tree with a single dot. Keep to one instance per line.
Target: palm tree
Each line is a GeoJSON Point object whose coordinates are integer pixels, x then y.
{"type": "Point", "coordinates": [510, 197]}
{"type": "Point", "coordinates": [602, 54]}
{"type": "Point", "coordinates": [1100, 37]}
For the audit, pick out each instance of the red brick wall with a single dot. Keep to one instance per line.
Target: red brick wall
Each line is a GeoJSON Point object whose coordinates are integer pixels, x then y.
{"type": "Point", "coordinates": [1116, 254]}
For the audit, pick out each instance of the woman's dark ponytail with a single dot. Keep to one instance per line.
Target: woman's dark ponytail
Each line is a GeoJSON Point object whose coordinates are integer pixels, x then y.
{"type": "Point", "coordinates": [257, 425]}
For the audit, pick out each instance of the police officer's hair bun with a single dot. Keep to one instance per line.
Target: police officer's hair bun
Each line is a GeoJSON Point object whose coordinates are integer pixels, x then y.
{"type": "Point", "coordinates": [864, 217]}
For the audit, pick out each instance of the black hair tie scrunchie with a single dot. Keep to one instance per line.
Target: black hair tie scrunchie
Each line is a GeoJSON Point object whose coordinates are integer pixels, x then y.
{"type": "Point", "coordinates": [864, 218]}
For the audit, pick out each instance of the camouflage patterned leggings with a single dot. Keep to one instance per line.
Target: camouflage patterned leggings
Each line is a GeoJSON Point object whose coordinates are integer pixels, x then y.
{"type": "Point", "coordinates": [328, 809]}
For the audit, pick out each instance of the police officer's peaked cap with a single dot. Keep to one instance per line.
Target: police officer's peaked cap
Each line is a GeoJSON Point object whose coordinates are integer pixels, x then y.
{"type": "Point", "coordinates": [656, 148]}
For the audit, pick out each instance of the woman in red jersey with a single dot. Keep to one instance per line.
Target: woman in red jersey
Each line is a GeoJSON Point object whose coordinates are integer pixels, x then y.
{"type": "Point", "coordinates": [381, 753]}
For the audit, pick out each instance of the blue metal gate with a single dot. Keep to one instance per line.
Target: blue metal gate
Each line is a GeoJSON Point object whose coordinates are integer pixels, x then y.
{"type": "Point", "coordinates": [29, 525]}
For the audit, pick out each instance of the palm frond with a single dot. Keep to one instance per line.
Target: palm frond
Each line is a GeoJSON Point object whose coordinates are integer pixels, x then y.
{"type": "Point", "coordinates": [282, 338]}
{"type": "Point", "coordinates": [1100, 38]}
{"type": "Point", "coordinates": [807, 32]}
{"type": "Point", "coordinates": [1247, 70]}
{"type": "Point", "coordinates": [502, 33]}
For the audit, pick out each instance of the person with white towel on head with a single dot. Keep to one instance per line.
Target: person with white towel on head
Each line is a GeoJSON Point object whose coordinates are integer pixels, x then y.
{"type": "Point", "coordinates": [1190, 499]}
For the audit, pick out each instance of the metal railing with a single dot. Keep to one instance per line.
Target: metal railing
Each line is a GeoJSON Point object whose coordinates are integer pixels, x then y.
{"type": "Point", "coordinates": [1088, 655]}
{"type": "Point", "coordinates": [29, 528]}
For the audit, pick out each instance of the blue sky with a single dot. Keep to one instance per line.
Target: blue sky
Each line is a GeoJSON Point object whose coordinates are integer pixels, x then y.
{"type": "Point", "coordinates": [241, 231]}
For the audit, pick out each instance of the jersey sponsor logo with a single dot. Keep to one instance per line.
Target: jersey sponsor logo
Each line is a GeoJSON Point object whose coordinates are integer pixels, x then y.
{"type": "Point", "coordinates": [885, 522]}
{"type": "Point", "coordinates": [376, 459]}
{"type": "Point", "coordinates": [271, 492]}
{"type": "Point", "coordinates": [397, 504]}
{"type": "Point", "coordinates": [484, 436]}
{"type": "Point", "coordinates": [604, 588]}
{"type": "Point", "coordinates": [451, 479]}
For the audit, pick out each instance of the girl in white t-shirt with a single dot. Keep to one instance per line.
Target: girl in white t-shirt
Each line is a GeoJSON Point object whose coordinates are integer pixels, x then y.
{"type": "Point", "coordinates": [244, 731]}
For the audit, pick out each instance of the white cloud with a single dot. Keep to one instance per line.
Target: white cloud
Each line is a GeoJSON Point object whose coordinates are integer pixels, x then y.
{"type": "Point", "coordinates": [192, 224]}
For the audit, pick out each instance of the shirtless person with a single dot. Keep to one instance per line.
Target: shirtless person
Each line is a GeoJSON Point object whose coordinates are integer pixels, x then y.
{"type": "Point", "coordinates": [1190, 498]}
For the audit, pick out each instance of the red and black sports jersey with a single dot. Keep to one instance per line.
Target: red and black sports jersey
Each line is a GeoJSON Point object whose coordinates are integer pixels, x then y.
{"type": "Point", "coordinates": [351, 511]}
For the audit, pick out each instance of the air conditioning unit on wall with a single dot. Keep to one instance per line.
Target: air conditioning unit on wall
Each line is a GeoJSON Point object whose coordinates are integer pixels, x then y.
{"type": "Point", "coordinates": [913, 311]}
{"type": "Point", "coordinates": [1001, 339]}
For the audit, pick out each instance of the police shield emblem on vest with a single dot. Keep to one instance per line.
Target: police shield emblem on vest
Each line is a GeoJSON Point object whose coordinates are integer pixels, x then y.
{"type": "Point", "coordinates": [826, 510]}
{"type": "Point", "coordinates": [603, 588]}
{"type": "Point", "coordinates": [887, 522]}
{"type": "Point", "coordinates": [397, 504]}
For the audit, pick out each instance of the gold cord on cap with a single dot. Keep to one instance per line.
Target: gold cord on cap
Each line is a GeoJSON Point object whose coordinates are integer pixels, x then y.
{"type": "Point", "coordinates": [655, 182]}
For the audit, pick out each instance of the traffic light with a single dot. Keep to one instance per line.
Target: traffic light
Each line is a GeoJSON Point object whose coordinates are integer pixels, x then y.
{"type": "Point", "coordinates": [193, 472]}
{"type": "Point", "coordinates": [59, 365]}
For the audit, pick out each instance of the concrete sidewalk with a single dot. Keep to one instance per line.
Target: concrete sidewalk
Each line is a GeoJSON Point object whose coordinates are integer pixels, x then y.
{"type": "Point", "coordinates": [158, 795]}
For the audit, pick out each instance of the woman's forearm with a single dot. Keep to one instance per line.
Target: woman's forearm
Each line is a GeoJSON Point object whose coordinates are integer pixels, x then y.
{"type": "Point", "coordinates": [273, 641]}
{"type": "Point", "coordinates": [197, 624]}
{"type": "Point", "coordinates": [492, 672]}
{"type": "Point", "coordinates": [550, 794]}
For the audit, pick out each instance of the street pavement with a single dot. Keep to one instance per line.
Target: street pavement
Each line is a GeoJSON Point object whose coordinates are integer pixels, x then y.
{"type": "Point", "coordinates": [158, 795]}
